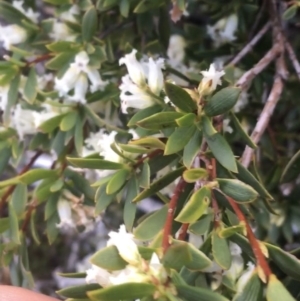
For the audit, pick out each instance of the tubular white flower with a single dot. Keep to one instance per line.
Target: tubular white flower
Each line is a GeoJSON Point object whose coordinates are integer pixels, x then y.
{"type": "Point", "coordinates": [176, 52]}
{"type": "Point", "coordinates": [70, 14]}
{"type": "Point", "coordinates": [12, 35]}
{"type": "Point", "coordinates": [129, 274]}
{"type": "Point", "coordinates": [3, 96]}
{"type": "Point", "coordinates": [80, 89]}
{"type": "Point", "coordinates": [137, 101]}
{"type": "Point", "coordinates": [29, 13]}
{"type": "Point", "coordinates": [211, 78]}
{"type": "Point", "coordinates": [68, 81]}
{"type": "Point", "coordinates": [92, 142]}
{"type": "Point", "coordinates": [226, 127]}
{"type": "Point", "coordinates": [155, 75]}
{"type": "Point", "coordinates": [237, 264]}
{"type": "Point", "coordinates": [95, 79]}
{"type": "Point", "coordinates": [134, 68]}
{"type": "Point", "coordinates": [23, 122]}
{"type": "Point", "coordinates": [65, 214]}
{"type": "Point", "coordinates": [157, 269]}
{"type": "Point", "coordinates": [61, 32]}
{"type": "Point", "coordinates": [127, 248]}
{"type": "Point", "coordinates": [98, 275]}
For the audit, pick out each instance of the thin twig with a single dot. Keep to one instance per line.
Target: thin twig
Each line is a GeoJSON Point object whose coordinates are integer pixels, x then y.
{"type": "Point", "coordinates": [39, 59]}
{"type": "Point", "coordinates": [11, 189]}
{"type": "Point", "coordinates": [260, 258]}
{"type": "Point", "coordinates": [293, 57]}
{"type": "Point", "coordinates": [263, 119]}
{"type": "Point", "coordinates": [169, 221]}
{"type": "Point", "coordinates": [183, 231]}
{"type": "Point", "coordinates": [29, 212]}
{"type": "Point", "coordinates": [148, 156]}
{"type": "Point", "coordinates": [251, 44]}
{"type": "Point", "coordinates": [258, 17]}
{"type": "Point", "coordinates": [248, 76]}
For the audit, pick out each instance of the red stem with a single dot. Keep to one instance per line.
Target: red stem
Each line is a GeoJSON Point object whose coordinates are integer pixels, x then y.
{"type": "Point", "coordinates": [183, 231]}
{"type": "Point", "coordinates": [148, 156]}
{"type": "Point", "coordinates": [11, 189]}
{"type": "Point", "coordinates": [39, 59]}
{"type": "Point", "coordinates": [260, 258]}
{"type": "Point", "coordinates": [169, 221]}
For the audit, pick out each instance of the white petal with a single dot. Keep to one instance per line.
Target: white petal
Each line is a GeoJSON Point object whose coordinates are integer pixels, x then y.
{"type": "Point", "coordinates": [155, 75]}
{"type": "Point", "coordinates": [80, 90]}
{"type": "Point", "coordinates": [12, 35]}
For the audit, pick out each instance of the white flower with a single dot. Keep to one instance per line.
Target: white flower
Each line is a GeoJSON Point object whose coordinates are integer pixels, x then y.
{"type": "Point", "coordinates": [61, 32]}
{"type": "Point", "coordinates": [126, 246]}
{"type": "Point", "coordinates": [43, 80]}
{"type": "Point", "coordinates": [92, 143]}
{"type": "Point", "coordinates": [237, 263]}
{"type": "Point", "coordinates": [65, 214]}
{"type": "Point", "coordinates": [155, 75]}
{"type": "Point", "coordinates": [69, 15]}
{"type": "Point", "coordinates": [176, 52]}
{"type": "Point", "coordinates": [3, 96]}
{"type": "Point", "coordinates": [23, 121]}
{"type": "Point", "coordinates": [12, 35]}
{"type": "Point", "coordinates": [157, 269]}
{"type": "Point", "coordinates": [80, 89]}
{"type": "Point", "coordinates": [242, 102]}
{"type": "Point", "coordinates": [129, 274]}
{"type": "Point", "coordinates": [226, 126]}
{"type": "Point", "coordinates": [223, 31]}
{"type": "Point", "coordinates": [98, 275]}
{"type": "Point", "coordinates": [29, 13]}
{"type": "Point", "coordinates": [134, 68]}
{"type": "Point", "coordinates": [95, 79]}
{"type": "Point", "coordinates": [137, 101]}
{"type": "Point", "coordinates": [245, 277]}
{"type": "Point", "coordinates": [211, 78]}
{"type": "Point", "coordinates": [68, 81]}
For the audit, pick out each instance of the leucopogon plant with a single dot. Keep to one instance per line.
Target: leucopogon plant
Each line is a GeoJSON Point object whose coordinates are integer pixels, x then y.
{"type": "Point", "coordinates": [138, 99]}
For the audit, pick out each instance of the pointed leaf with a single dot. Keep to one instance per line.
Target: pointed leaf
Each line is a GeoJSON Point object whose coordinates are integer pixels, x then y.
{"type": "Point", "coordinates": [276, 290]}
{"type": "Point", "coordinates": [117, 181]}
{"type": "Point", "coordinates": [192, 149]}
{"type": "Point", "coordinates": [194, 174]}
{"type": "Point", "coordinates": [221, 251]}
{"type": "Point", "coordinates": [89, 24]}
{"type": "Point", "coordinates": [95, 163]}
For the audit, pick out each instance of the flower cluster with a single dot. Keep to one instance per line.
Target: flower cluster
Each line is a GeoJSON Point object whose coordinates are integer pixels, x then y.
{"type": "Point", "coordinates": [76, 77]}
{"type": "Point", "coordinates": [143, 84]}
{"type": "Point", "coordinates": [137, 269]}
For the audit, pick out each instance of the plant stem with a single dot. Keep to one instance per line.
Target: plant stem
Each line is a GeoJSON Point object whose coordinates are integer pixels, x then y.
{"type": "Point", "coordinates": [170, 216]}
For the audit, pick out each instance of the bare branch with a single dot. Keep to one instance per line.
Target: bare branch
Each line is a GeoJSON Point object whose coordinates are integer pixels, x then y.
{"type": "Point", "coordinates": [248, 76]}
{"type": "Point", "coordinates": [293, 58]}
{"type": "Point", "coordinates": [251, 44]}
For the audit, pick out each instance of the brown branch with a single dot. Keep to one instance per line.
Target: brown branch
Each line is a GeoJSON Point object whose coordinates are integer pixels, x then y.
{"type": "Point", "coordinates": [251, 44]}
{"type": "Point", "coordinates": [30, 210]}
{"type": "Point", "coordinates": [259, 256]}
{"type": "Point", "coordinates": [11, 189]}
{"type": "Point", "coordinates": [258, 17]}
{"type": "Point", "coordinates": [183, 231]}
{"type": "Point", "coordinates": [263, 119]}
{"type": "Point", "coordinates": [247, 77]}
{"type": "Point", "coordinates": [170, 216]}
{"type": "Point", "coordinates": [293, 57]}
{"type": "Point", "coordinates": [151, 155]}
{"type": "Point", "coordinates": [39, 59]}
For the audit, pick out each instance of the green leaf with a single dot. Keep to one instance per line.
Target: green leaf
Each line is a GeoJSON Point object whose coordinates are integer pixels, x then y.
{"type": "Point", "coordinates": [117, 181]}
{"type": "Point", "coordinates": [191, 293]}
{"type": "Point", "coordinates": [33, 228]}
{"type": "Point", "coordinates": [160, 120]}
{"type": "Point", "coordinates": [192, 149]}
{"type": "Point", "coordinates": [128, 291]}
{"type": "Point", "coordinates": [129, 207]}
{"type": "Point", "coordinates": [199, 260]}
{"type": "Point", "coordinates": [109, 259]}
{"type": "Point", "coordinates": [102, 199]}
{"type": "Point", "coordinates": [219, 147]}
{"type": "Point", "coordinates": [287, 262]}
{"type": "Point", "coordinates": [241, 132]}
{"type": "Point", "coordinates": [276, 291]}
{"type": "Point", "coordinates": [4, 224]}
{"type": "Point", "coordinates": [30, 89]}
{"type": "Point", "coordinates": [79, 291]}
{"type": "Point", "coordinates": [292, 170]}
{"type": "Point", "coordinates": [61, 61]}
{"type": "Point", "coordinates": [196, 206]}
{"type": "Point", "coordinates": [159, 184]}
{"type": "Point", "coordinates": [51, 124]}
{"type": "Point", "coordinates": [144, 176]}
{"type": "Point", "coordinates": [14, 234]}
{"type": "Point", "coordinates": [51, 227]}
{"type": "Point", "coordinates": [146, 5]}
{"type": "Point", "coordinates": [124, 8]}
{"type": "Point", "coordinates": [194, 174]}
{"type": "Point", "coordinates": [290, 12]}
{"type": "Point", "coordinates": [180, 98]}
{"type": "Point", "coordinates": [95, 163]}
{"type": "Point", "coordinates": [62, 46]}
{"type": "Point", "coordinates": [78, 135]}
{"type": "Point", "coordinates": [164, 29]}
{"type": "Point", "coordinates": [222, 101]}
{"type": "Point", "coordinates": [151, 225]}
{"type": "Point", "coordinates": [221, 251]}
{"type": "Point", "coordinates": [68, 121]}
{"type": "Point", "coordinates": [89, 24]}
{"type": "Point", "coordinates": [186, 120]}
{"type": "Point", "coordinates": [142, 114]}
{"type": "Point", "coordinates": [72, 275]}
{"type": "Point", "coordinates": [238, 190]}
{"type": "Point", "coordinates": [30, 176]}
{"type": "Point", "coordinates": [227, 232]}
{"type": "Point", "coordinates": [253, 290]}
{"type": "Point", "coordinates": [201, 226]}
{"type": "Point", "coordinates": [177, 256]}
{"type": "Point", "coordinates": [19, 199]}
{"type": "Point", "coordinates": [152, 142]}
{"type": "Point", "coordinates": [179, 139]}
